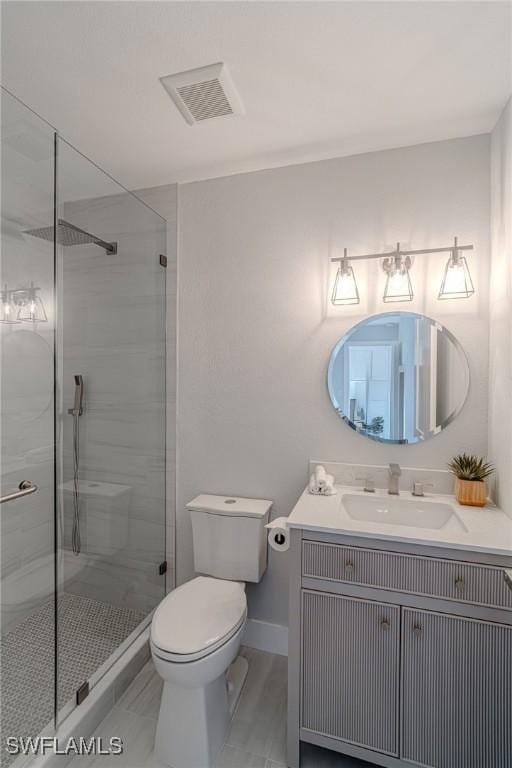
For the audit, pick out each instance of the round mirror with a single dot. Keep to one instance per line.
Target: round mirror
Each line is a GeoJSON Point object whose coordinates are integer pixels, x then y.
{"type": "Point", "coordinates": [398, 377]}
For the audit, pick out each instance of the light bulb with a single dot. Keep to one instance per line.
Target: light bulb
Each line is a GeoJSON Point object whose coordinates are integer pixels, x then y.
{"type": "Point", "coordinates": [32, 308]}
{"type": "Point", "coordinates": [7, 308]}
{"type": "Point", "coordinates": [457, 283]}
{"type": "Point", "coordinates": [345, 286]}
{"type": "Point", "coordinates": [398, 283]}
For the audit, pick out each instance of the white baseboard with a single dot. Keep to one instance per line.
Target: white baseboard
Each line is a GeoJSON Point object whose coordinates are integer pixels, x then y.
{"type": "Point", "coordinates": [266, 636]}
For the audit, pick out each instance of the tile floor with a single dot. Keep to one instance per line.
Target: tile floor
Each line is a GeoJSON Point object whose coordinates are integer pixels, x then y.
{"type": "Point", "coordinates": [257, 738]}
{"type": "Point", "coordinates": [89, 632]}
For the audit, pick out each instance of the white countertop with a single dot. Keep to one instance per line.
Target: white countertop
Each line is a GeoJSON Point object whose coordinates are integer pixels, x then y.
{"type": "Point", "coordinates": [480, 529]}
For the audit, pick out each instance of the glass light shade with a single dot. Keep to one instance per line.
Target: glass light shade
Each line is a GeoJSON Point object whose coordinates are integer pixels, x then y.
{"type": "Point", "coordinates": [7, 309]}
{"type": "Point", "coordinates": [345, 286]}
{"type": "Point", "coordinates": [398, 284]}
{"type": "Point", "coordinates": [457, 283]}
{"type": "Point", "coordinates": [32, 311]}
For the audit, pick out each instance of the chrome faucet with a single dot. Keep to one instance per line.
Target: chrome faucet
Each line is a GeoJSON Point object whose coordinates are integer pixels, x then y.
{"type": "Point", "coordinates": [394, 479]}
{"type": "Point", "coordinates": [369, 484]}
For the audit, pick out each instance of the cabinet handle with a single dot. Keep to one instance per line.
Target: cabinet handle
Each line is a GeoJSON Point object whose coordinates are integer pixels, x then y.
{"type": "Point", "coordinates": [417, 629]}
{"type": "Point", "coordinates": [459, 584]}
{"type": "Point", "coordinates": [385, 624]}
{"type": "Point", "coordinates": [349, 567]}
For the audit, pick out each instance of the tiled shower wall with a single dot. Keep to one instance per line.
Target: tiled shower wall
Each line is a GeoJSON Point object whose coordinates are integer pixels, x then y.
{"type": "Point", "coordinates": [27, 433]}
{"type": "Point", "coordinates": [113, 333]}
{"type": "Point", "coordinates": [26, 372]}
{"type": "Point", "coordinates": [113, 448]}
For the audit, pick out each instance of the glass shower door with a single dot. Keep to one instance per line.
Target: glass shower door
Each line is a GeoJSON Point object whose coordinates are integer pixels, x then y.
{"type": "Point", "coordinates": [27, 651]}
{"type": "Point", "coordinates": [83, 423]}
{"type": "Point", "coordinates": [111, 421]}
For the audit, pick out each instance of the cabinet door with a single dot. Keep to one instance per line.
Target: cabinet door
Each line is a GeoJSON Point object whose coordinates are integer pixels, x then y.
{"type": "Point", "coordinates": [349, 686]}
{"type": "Point", "coordinates": [456, 691]}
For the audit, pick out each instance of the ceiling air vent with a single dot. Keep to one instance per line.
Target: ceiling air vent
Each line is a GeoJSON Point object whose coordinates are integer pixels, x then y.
{"type": "Point", "coordinates": [203, 93]}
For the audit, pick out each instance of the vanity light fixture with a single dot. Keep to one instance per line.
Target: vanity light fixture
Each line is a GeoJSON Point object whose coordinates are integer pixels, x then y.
{"type": "Point", "coordinates": [345, 286]}
{"type": "Point", "coordinates": [8, 310]}
{"type": "Point", "coordinates": [398, 282]}
{"type": "Point", "coordinates": [457, 283]}
{"type": "Point", "coordinates": [22, 305]}
{"type": "Point", "coordinates": [31, 307]}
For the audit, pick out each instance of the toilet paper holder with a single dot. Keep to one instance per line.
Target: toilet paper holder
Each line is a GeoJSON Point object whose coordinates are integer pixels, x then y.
{"type": "Point", "coordinates": [279, 534]}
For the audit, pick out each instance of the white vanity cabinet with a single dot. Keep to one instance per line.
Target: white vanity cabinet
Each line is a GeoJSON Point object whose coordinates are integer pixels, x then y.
{"type": "Point", "coordinates": [399, 654]}
{"type": "Point", "coordinates": [456, 691]}
{"type": "Point", "coordinates": [350, 666]}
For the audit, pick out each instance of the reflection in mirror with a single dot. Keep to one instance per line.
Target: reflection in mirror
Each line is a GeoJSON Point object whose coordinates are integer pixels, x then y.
{"type": "Point", "coordinates": [398, 377]}
{"type": "Point", "coordinates": [27, 370]}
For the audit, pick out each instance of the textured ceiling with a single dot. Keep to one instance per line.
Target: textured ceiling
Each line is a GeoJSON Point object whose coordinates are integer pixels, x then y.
{"type": "Point", "coordinates": [317, 79]}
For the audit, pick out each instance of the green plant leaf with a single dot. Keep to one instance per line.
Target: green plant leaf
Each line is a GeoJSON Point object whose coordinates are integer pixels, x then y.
{"type": "Point", "coordinates": [469, 467]}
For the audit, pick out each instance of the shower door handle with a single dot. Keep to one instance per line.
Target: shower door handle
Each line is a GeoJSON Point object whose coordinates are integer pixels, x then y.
{"type": "Point", "coordinates": [25, 488]}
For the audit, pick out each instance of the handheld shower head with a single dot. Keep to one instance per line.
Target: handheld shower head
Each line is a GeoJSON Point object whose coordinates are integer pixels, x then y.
{"type": "Point", "coordinates": [76, 410]}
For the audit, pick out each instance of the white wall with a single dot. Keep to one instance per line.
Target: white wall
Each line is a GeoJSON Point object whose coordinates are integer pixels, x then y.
{"type": "Point", "coordinates": [500, 352]}
{"type": "Point", "coordinates": [254, 336]}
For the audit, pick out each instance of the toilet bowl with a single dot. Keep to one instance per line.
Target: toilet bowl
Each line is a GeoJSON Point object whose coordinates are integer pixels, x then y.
{"type": "Point", "coordinates": [197, 629]}
{"type": "Point", "coordinates": [195, 637]}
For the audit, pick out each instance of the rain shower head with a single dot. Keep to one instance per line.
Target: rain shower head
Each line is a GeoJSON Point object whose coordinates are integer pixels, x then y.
{"type": "Point", "coordinates": [68, 234]}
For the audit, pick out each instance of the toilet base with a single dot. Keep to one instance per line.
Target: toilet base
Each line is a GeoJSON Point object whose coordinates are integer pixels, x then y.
{"type": "Point", "coordinates": [193, 722]}
{"type": "Point", "coordinates": [235, 678]}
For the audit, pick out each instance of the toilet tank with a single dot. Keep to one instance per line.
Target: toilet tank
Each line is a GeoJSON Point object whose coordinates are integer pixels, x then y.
{"type": "Point", "coordinates": [230, 540]}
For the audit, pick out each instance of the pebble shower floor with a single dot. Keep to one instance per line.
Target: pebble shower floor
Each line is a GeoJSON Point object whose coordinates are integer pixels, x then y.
{"type": "Point", "coordinates": [89, 632]}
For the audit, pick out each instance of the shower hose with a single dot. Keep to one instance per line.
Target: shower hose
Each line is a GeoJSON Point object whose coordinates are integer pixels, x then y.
{"type": "Point", "coordinates": [75, 537]}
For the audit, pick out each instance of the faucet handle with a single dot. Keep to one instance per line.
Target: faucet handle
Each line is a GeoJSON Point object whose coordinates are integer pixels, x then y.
{"type": "Point", "coordinates": [418, 489]}
{"type": "Point", "coordinates": [369, 483]}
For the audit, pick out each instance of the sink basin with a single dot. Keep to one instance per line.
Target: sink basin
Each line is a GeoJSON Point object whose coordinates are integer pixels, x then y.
{"type": "Point", "coordinates": [396, 511]}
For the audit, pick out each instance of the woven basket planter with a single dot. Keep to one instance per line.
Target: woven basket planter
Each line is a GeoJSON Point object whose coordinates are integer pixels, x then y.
{"type": "Point", "coordinates": [471, 493]}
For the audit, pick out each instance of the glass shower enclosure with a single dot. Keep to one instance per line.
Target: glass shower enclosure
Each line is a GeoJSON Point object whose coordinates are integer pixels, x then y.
{"type": "Point", "coordinates": [82, 395]}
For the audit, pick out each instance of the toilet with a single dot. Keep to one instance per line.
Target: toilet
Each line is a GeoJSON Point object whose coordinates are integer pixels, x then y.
{"type": "Point", "coordinates": [197, 629]}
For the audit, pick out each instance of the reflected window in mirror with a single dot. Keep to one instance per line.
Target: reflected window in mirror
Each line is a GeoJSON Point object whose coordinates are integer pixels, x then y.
{"type": "Point", "coordinates": [399, 377]}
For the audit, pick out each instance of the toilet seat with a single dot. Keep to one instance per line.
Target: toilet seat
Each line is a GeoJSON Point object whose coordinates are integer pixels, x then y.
{"type": "Point", "coordinates": [197, 618]}
{"type": "Point", "coordinates": [184, 658]}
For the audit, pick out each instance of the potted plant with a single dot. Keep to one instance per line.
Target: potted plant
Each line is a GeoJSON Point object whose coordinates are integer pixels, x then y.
{"type": "Point", "coordinates": [376, 425]}
{"type": "Point", "coordinates": [470, 474]}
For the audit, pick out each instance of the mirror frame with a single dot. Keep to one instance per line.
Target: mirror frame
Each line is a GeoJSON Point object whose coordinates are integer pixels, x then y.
{"type": "Point", "coordinates": [335, 401]}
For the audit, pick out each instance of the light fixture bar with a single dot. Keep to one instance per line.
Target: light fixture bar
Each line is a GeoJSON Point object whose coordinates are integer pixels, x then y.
{"type": "Point", "coordinates": [392, 254]}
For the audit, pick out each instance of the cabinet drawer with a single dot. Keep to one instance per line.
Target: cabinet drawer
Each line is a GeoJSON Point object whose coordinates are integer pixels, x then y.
{"type": "Point", "coordinates": [433, 577]}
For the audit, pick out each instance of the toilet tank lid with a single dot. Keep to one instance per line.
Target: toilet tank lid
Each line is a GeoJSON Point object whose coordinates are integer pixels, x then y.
{"type": "Point", "coordinates": [230, 505]}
